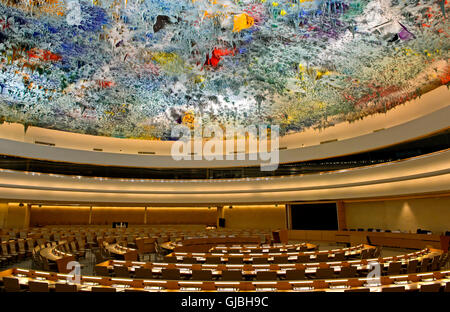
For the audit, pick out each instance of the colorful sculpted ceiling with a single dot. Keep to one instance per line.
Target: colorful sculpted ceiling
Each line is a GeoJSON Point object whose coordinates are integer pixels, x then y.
{"type": "Point", "coordinates": [135, 68]}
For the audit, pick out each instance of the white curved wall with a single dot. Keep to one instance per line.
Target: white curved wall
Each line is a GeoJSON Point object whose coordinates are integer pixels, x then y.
{"type": "Point", "coordinates": [425, 115]}
{"type": "Point", "coordinates": [424, 174]}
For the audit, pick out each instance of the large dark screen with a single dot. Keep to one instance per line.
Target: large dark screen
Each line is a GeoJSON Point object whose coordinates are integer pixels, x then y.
{"type": "Point", "coordinates": [314, 217]}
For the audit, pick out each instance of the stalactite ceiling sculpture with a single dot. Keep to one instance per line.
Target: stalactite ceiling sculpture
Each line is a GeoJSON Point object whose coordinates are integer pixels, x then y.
{"type": "Point", "coordinates": [135, 68]}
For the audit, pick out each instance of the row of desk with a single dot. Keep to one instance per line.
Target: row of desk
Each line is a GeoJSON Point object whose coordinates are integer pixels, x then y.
{"type": "Point", "coordinates": [250, 271]}
{"type": "Point", "coordinates": [439, 281]}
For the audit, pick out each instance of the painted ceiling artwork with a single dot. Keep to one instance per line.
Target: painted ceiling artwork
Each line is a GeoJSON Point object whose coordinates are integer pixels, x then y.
{"type": "Point", "coordinates": [135, 68]}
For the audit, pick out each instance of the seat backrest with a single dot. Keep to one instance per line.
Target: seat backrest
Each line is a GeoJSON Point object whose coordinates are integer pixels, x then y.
{"type": "Point", "coordinates": [121, 271]}
{"type": "Point", "coordinates": [339, 256]}
{"type": "Point", "coordinates": [322, 273]}
{"type": "Point", "coordinates": [280, 259]}
{"type": "Point", "coordinates": [202, 275]}
{"type": "Point", "coordinates": [266, 276]}
{"type": "Point", "coordinates": [357, 290]}
{"type": "Point", "coordinates": [394, 268]}
{"type": "Point", "coordinates": [435, 287]}
{"type": "Point", "coordinates": [143, 273]}
{"type": "Point", "coordinates": [101, 270]}
{"type": "Point", "coordinates": [412, 266]}
{"type": "Point", "coordinates": [260, 260]}
{"type": "Point", "coordinates": [170, 274]}
{"type": "Point", "coordinates": [60, 287]}
{"type": "Point", "coordinates": [11, 284]}
{"type": "Point", "coordinates": [295, 274]}
{"type": "Point", "coordinates": [393, 289]}
{"type": "Point", "coordinates": [231, 275]}
{"type": "Point", "coordinates": [189, 260]}
{"type": "Point", "coordinates": [424, 265]}
{"type": "Point", "coordinates": [103, 289]}
{"type": "Point", "coordinates": [235, 260]}
{"type": "Point", "coordinates": [213, 260]}
{"type": "Point", "coordinates": [170, 259]}
{"type": "Point", "coordinates": [322, 257]}
{"type": "Point", "coordinates": [348, 271]}
{"type": "Point", "coordinates": [302, 258]}
{"type": "Point", "coordinates": [447, 287]}
{"type": "Point", "coordinates": [35, 286]}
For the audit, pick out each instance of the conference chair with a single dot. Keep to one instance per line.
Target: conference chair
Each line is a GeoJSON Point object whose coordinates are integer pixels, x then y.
{"type": "Point", "coordinates": [11, 284]}
{"type": "Point", "coordinates": [34, 286]}
{"type": "Point", "coordinates": [348, 271]}
{"type": "Point", "coordinates": [231, 275]}
{"type": "Point", "coordinates": [393, 289]}
{"type": "Point", "coordinates": [357, 290]}
{"type": "Point", "coordinates": [60, 287]}
{"type": "Point", "coordinates": [266, 276]}
{"type": "Point", "coordinates": [235, 260]}
{"type": "Point", "coordinates": [364, 254]}
{"type": "Point", "coordinates": [377, 252]}
{"type": "Point", "coordinates": [189, 260]}
{"type": "Point", "coordinates": [434, 266]}
{"type": "Point", "coordinates": [412, 266]}
{"type": "Point", "coordinates": [170, 259]}
{"type": "Point", "coordinates": [447, 287]}
{"type": "Point", "coordinates": [295, 274]}
{"type": "Point", "coordinates": [121, 271]}
{"type": "Point", "coordinates": [101, 270]}
{"type": "Point", "coordinates": [340, 256]}
{"type": "Point", "coordinates": [280, 259]}
{"type": "Point", "coordinates": [322, 257]}
{"type": "Point", "coordinates": [302, 258]}
{"type": "Point", "coordinates": [170, 274]}
{"type": "Point", "coordinates": [202, 275]}
{"type": "Point", "coordinates": [103, 289]}
{"type": "Point", "coordinates": [435, 287]}
{"type": "Point", "coordinates": [322, 273]}
{"type": "Point", "coordinates": [260, 260]}
{"type": "Point", "coordinates": [143, 273]}
{"type": "Point", "coordinates": [424, 265]}
{"type": "Point", "coordinates": [394, 268]}
{"type": "Point", "coordinates": [213, 260]}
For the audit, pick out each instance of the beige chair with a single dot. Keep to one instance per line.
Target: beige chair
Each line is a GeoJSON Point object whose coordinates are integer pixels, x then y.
{"type": "Point", "coordinates": [35, 286]}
